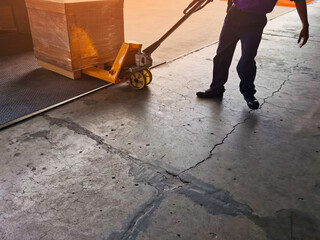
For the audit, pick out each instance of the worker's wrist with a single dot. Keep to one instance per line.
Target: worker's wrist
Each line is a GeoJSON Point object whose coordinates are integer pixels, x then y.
{"type": "Point", "coordinates": [305, 25]}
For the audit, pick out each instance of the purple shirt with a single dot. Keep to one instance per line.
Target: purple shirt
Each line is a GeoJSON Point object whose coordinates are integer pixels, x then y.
{"type": "Point", "coordinates": [256, 6]}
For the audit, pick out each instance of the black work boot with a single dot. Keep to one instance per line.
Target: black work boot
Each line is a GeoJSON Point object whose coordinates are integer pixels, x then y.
{"type": "Point", "coordinates": [252, 102]}
{"type": "Point", "coordinates": [210, 94]}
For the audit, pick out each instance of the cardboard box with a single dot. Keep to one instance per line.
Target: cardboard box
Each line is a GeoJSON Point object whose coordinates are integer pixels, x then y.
{"type": "Point", "coordinates": [76, 34]}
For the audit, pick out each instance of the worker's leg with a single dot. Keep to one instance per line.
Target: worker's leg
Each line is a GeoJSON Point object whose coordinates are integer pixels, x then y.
{"type": "Point", "coordinates": [227, 44]}
{"type": "Point", "coordinates": [246, 68]}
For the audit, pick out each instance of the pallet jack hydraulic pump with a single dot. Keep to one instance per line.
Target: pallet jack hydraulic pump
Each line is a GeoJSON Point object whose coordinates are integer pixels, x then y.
{"type": "Point", "coordinates": [134, 64]}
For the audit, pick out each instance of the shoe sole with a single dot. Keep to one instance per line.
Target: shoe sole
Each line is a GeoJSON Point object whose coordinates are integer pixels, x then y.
{"type": "Point", "coordinates": [202, 95]}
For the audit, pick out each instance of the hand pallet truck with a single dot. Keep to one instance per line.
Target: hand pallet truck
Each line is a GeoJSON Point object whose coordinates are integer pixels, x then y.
{"type": "Point", "coordinates": [133, 64]}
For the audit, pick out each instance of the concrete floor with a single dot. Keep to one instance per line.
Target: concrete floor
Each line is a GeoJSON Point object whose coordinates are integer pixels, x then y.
{"type": "Point", "coordinates": [146, 23]}
{"type": "Point", "coordinates": [161, 164]}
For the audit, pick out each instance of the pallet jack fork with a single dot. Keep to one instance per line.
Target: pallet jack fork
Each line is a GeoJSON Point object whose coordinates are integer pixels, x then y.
{"type": "Point", "coordinates": [132, 63]}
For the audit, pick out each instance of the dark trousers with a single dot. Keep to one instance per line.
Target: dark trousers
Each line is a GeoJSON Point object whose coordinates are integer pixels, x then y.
{"type": "Point", "coordinates": [246, 27]}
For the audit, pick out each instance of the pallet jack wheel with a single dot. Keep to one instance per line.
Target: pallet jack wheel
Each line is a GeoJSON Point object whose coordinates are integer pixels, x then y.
{"type": "Point", "coordinates": [137, 80]}
{"type": "Point", "coordinates": [148, 75]}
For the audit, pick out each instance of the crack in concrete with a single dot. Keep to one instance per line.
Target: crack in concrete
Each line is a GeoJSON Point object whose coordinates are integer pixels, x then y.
{"type": "Point", "coordinates": [69, 124]}
{"type": "Point", "coordinates": [215, 146]}
{"type": "Point", "coordinates": [215, 200]}
{"type": "Point", "coordinates": [291, 37]}
{"type": "Point", "coordinates": [280, 87]}
{"type": "Point", "coordinates": [133, 228]}
{"type": "Point", "coordinates": [141, 219]}
{"type": "Point", "coordinates": [288, 108]}
{"type": "Point", "coordinates": [166, 90]}
{"type": "Point", "coordinates": [235, 126]}
{"type": "Point", "coordinates": [220, 202]}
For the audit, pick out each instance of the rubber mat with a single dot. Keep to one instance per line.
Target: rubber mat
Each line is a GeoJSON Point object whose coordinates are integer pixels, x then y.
{"type": "Point", "coordinates": [27, 89]}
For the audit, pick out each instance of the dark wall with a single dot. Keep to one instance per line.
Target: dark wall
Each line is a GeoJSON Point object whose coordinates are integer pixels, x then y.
{"type": "Point", "coordinates": [15, 36]}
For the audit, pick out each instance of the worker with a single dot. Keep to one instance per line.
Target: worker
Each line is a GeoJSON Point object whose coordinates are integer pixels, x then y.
{"type": "Point", "coordinates": [245, 21]}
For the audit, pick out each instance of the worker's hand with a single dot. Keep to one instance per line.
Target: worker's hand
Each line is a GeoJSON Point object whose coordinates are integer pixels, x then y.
{"type": "Point", "coordinates": [304, 36]}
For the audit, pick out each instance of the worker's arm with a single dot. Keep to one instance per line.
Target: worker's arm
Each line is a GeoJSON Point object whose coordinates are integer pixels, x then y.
{"type": "Point", "coordinates": [302, 11]}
